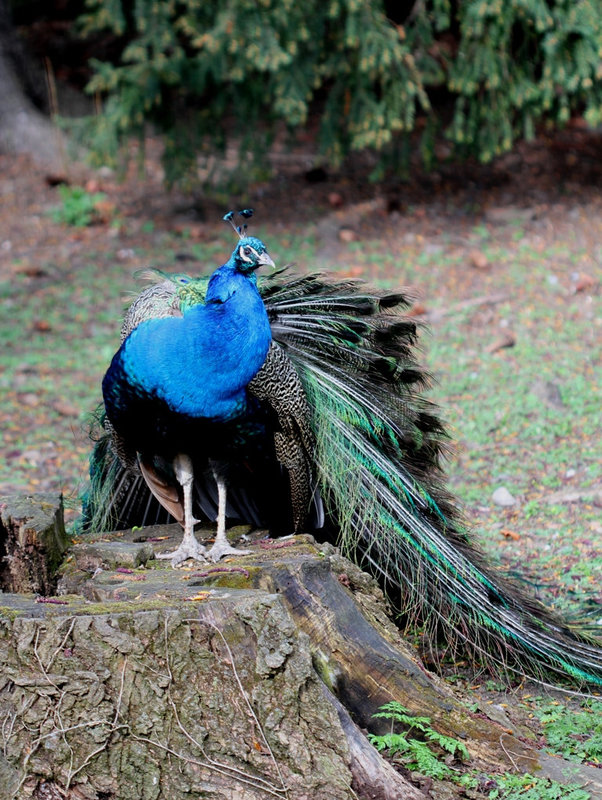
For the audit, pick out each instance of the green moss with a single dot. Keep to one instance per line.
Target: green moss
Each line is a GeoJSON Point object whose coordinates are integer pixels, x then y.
{"type": "Point", "coordinates": [11, 613]}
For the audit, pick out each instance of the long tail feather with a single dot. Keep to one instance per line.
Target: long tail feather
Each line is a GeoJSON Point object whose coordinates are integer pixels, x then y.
{"type": "Point", "coordinates": [378, 449]}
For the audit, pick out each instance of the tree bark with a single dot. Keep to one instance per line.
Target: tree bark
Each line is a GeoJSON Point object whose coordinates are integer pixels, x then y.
{"type": "Point", "coordinates": [23, 129]}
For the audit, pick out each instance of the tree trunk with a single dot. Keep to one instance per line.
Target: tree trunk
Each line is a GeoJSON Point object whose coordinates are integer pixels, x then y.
{"type": "Point", "coordinates": [23, 129]}
{"type": "Point", "coordinates": [249, 679]}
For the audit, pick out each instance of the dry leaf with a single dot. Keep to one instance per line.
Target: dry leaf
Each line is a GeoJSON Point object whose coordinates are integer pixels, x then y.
{"type": "Point", "coordinates": [584, 283]}
{"type": "Point", "coordinates": [479, 260]}
{"type": "Point", "coordinates": [417, 310]}
{"type": "Point", "coordinates": [42, 325]}
{"type": "Point", "coordinates": [348, 235]}
{"type": "Point", "coordinates": [65, 409]}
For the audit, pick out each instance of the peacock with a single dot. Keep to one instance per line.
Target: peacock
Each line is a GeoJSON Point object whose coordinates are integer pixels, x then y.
{"type": "Point", "coordinates": [296, 403]}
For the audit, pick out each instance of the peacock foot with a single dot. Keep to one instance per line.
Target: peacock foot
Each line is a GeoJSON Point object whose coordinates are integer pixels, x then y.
{"type": "Point", "coordinates": [222, 548]}
{"type": "Point", "coordinates": [188, 549]}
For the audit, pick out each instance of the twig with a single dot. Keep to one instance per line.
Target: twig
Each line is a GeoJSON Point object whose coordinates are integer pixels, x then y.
{"type": "Point", "coordinates": [62, 644]}
{"type": "Point", "coordinates": [118, 709]}
{"type": "Point", "coordinates": [481, 300]}
{"type": "Point", "coordinates": [249, 779]}
{"type": "Point", "coordinates": [245, 698]}
{"type": "Point", "coordinates": [54, 110]}
{"type": "Point", "coordinates": [514, 764]}
{"type": "Point", "coordinates": [223, 769]}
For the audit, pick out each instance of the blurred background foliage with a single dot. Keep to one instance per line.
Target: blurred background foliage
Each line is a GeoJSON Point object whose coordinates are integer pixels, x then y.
{"type": "Point", "coordinates": [446, 78]}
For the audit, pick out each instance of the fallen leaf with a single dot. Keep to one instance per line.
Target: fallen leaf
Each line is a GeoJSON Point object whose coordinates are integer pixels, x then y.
{"type": "Point", "coordinates": [584, 283]}
{"type": "Point", "coordinates": [352, 272]}
{"type": "Point", "coordinates": [42, 325]}
{"type": "Point", "coordinates": [479, 260]}
{"type": "Point", "coordinates": [197, 231]}
{"type": "Point", "coordinates": [510, 534]}
{"type": "Point", "coordinates": [65, 409]}
{"type": "Point", "coordinates": [348, 235]}
{"type": "Point", "coordinates": [417, 310]}
{"type": "Point", "coordinates": [199, 597]}
{"type": "Point", "coordinates": [105, 210]}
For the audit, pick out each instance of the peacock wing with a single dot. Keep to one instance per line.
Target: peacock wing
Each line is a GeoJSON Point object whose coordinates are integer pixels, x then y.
{"type": "Point", "coordinates": [277, 384]}
{"type": "Point", "coordinates": [168, 493]}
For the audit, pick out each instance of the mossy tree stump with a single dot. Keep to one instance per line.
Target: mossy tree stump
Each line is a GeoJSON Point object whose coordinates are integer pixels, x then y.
{"type": "Point", "coordinates": [249, 679]}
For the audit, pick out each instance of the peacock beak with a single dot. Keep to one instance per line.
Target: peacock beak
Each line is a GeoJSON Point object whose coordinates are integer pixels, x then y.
{"type": "Point", "coordinates": [264, 260]}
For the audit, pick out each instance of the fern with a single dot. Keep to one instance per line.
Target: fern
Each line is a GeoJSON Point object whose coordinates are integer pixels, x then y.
{"type": "Point", "coordinates": [417, 754]}
{"type": "Point", "coordinates": [528, 787]}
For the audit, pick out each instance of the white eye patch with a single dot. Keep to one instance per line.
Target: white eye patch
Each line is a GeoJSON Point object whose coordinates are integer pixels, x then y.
{"type": "Point", "coordinates": [253, 254]}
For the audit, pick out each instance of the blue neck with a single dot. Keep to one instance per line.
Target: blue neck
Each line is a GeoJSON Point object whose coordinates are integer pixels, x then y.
{"type": "Point", "coordinates": [200, 363]}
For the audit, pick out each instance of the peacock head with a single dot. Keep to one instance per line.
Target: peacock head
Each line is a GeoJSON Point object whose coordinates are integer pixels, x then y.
{"type": "Point", "coordinates": [250, 252]}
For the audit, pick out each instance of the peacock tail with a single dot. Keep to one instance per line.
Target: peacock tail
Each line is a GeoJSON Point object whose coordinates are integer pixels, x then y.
{"type": "Point", "coordinates": [378, 450]}
{"type": "Point", "coordinates": [377, 446]}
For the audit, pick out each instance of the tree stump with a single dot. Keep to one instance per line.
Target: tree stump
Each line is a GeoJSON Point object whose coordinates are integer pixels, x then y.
{"type": "Point", "coordinates": [249, 679]}
{"type": "Point", "coordinates": [32, 542]}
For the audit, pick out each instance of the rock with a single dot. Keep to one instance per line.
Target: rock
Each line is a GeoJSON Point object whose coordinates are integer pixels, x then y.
{"type": "Point", "coordinates": [548, 392]}
{"type": "Point", "coordinates": [110, 555]}
{"type": "Point", "coordinates": [502, 497]}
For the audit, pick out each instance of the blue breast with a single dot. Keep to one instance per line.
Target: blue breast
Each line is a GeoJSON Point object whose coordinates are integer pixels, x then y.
{"type": "Point", "coordinates": [198, 364]}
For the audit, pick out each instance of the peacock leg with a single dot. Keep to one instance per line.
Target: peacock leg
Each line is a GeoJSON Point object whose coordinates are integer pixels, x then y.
{"type": "Point", "coordinates": [222, 546]}
{"type": "Point", "coordinates": [189, 547]}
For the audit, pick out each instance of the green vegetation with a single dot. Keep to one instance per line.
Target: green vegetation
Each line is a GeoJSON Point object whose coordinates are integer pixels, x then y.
{"type": "Point", "coordinates": [575, 735]}
{"type": "Point", "coordinates": [480, 72]}
{"type": "Point", "coordinates": [78, 207]}
{"type": "Point", "coordinates": [528, 787]}
{"type": "Point", "coordinates": [423, 754]}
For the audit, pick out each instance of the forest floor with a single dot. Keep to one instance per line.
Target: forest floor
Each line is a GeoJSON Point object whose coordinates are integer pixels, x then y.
{"type": "Point", "coordinates": [505, 263]}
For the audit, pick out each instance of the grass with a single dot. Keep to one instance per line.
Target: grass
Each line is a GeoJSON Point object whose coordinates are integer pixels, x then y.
{"type": "Point", "coordinates": [525, 417]}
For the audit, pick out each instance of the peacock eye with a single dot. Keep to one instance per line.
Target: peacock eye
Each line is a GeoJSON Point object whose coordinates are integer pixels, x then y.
{"type": "Point", "coordinates": [248, 251]}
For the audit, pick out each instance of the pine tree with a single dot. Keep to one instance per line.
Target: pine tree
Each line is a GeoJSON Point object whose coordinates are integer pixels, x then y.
{"type": "Point", "coordinates": [200, 71]}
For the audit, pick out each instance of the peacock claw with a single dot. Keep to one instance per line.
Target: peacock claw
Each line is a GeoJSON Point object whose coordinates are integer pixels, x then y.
{"type": "Point", "coordinates": [188, 549]}
{"type": "Point", "coordinates": [221, 548]}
